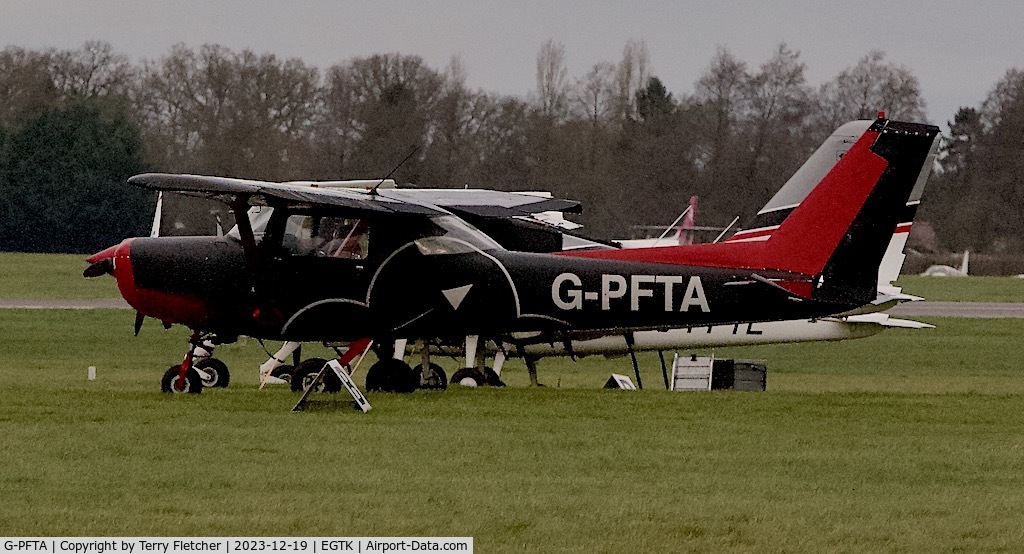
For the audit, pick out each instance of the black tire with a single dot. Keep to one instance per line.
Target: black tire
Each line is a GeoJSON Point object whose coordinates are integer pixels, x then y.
{"type": "Point", "coordinates": [469, 377]}
{"type": "Point", "coordinates": [283, 372]}
{"type": "Point", "coordinates": [193, 384]}
{"type": "Point", "coordinates": [493, 380]}
{"type": "Point", "coordinates": [440, 382]}
{"type": "Point", "coordinates": [218, 371]}
{"type": "Point", "coordinates": [307, 370]}
{"type": "Point", "coordinates": [391, 375]}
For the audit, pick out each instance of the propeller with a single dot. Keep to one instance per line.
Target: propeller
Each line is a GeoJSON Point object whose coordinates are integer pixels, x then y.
{"type": "Point", "coordinates": [138, 322]}
{"type": "Point", "coordinates": [102, 267]}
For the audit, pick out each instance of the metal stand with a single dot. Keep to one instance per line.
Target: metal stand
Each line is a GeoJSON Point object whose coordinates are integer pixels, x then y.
{"type": "Point", "coordinates": [340, 367]}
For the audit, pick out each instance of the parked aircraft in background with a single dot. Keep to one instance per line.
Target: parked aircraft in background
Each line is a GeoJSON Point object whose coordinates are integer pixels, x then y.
{"type": "Point", "coordinates": [949, 271]}
{"type": "Point", "coordinates": [334, 264]}
{"type": "Point", "coordinates": [677, 233]}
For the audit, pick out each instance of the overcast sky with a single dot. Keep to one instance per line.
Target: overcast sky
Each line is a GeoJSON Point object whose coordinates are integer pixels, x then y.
{"type": "Point", "coordinates": [958, 50]}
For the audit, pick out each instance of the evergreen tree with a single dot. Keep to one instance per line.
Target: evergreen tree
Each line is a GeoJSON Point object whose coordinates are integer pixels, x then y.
{"type": "Point", "coordinates": [66, 172]}
{"type": "Point", "coordinates": [654, 103]}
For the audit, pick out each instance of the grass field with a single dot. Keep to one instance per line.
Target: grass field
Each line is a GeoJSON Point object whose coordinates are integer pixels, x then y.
{"type": "Point", "coordinates": [964, 289]}
{"type": "Point", "coordinates": [51, 276]}
{"type": "Point", "coordinates": [907, 441]}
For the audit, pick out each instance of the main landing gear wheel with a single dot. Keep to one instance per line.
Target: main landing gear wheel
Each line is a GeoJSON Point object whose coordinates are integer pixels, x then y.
{"type": "Point", "coordinates": [469, 377]}
{"type": "Point", "coordinates": [171, 381]}
{"type": "Point", "coordinates": [391, 375]}
{"type": "Point", "coordinates": [283, 372]}
{"type": "Point", "coordinates": [436, 379]}
{"type": "Point", "coordinates": [493, 380]}
{"type": "Point", "coordinates": [307, 370]}
{"type": "Point", "coordinates": [217, 371]}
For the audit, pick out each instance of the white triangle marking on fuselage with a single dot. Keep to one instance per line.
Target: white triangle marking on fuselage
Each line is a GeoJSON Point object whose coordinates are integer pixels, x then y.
{"type": "Point", "coordinates": [456, 295]}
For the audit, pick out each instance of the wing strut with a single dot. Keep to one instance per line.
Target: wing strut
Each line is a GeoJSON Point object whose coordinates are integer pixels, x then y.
{"type": "Point", "coordinates": [241, 208]}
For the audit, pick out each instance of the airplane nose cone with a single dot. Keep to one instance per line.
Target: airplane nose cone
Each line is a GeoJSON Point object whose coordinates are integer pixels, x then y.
{"type": "Point", "coordinates": [115, 261]}
{"type": "Point", "coordinates": [127, 262]}
{"type": "Point", "coordinates": [101, 263]}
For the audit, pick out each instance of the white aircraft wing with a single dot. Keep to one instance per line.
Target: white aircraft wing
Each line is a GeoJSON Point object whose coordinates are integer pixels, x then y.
{"type": "Point", "coordinates": [260, 193]}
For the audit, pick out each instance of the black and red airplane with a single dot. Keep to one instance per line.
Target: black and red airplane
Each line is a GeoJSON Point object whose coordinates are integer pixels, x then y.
{"type": "Point", "coordinates": [320, 263]}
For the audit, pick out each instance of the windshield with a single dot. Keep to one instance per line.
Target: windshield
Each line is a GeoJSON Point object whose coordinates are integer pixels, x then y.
{"type": "Point", "coordinates": [454, 236]}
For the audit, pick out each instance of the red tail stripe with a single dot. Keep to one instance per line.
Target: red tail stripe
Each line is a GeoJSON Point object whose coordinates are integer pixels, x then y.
{"type": "Point", "coordinates": [805, 240]}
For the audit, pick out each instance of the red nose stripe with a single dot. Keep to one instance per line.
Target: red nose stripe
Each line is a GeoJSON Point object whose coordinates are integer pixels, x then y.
{"type": "Point", "coordinates": [167, 307]}
{"type": "Point", "coordinates": [102, 254]}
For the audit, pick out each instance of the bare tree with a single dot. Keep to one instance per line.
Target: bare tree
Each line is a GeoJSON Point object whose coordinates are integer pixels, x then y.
{"type": "Point", "coordinates": [552, 80]}
{"type": "Point", "coordinates": [394, 97]}
{"type": "Point", "coordinates": [448, 159]}
{"type": "Point", "coordinates": [230, 113]}
{"type": "Point", "coordinates": [719, 97]}
{"type": "Point", "coordinates": [26, 88]}
{"type": "Point", "coordinates": [777, 102]}
{"type": "Point", "coordinates": [632, 75]}
{"type": "Point", "coordinates": [1005, 96]}
{"type": "Point", "coordinates": [593, 97]}
{"type": "Point", "coordinates": [872, 85]}
{"type": "Point", "coordinates": [93, 70]}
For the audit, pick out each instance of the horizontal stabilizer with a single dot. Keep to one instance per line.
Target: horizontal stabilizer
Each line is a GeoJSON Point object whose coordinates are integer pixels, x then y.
{"type": "Point", "coordinates": [885, 320]}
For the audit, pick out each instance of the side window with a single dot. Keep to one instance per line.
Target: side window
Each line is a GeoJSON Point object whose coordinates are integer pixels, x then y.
{"type": "Point", "coordinates": [326, 237]}
{"type": "Point", "coordinates": [298, 235]}
{"type": "Point", "coordinates": [342, 238]}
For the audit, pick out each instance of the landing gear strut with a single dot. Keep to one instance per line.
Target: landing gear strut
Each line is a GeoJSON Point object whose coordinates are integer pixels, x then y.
{"type": "Point", "coordinates": [199, 369]}
{"type": "Point", "coordinates": [475, 373]}
{"type": "Point", "coordinates": [433, 378]}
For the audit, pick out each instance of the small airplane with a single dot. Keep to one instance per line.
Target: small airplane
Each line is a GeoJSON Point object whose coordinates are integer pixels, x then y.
{"type": "Point", "coordinates": [674, 234]}
{"type": "Point", "coordinates": [327, 264]}
{"type": "Point", "coordinates": [949, 271]}
{"type": "Point", "coordinates": [863, 322]}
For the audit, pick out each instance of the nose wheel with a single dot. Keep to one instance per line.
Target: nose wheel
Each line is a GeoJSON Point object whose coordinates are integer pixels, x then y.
{"type": "Point", "coordinates": [198, 370]}
{"type": "Point", "coordinates": [174, 382]}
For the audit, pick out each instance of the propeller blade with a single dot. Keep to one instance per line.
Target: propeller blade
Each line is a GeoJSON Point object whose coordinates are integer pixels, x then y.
{"type": "Point", "coordinates": [102, 267]}
{"type": "Point", "coordinates": [138, 322]}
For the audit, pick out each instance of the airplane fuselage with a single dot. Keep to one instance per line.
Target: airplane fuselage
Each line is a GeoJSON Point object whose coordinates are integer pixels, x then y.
{"type": "Point", "coordinates": [206, 283]}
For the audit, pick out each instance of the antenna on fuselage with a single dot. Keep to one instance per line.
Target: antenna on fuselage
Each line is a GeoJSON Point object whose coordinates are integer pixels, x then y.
{"type": "Point", "coordinates": [373, 191]}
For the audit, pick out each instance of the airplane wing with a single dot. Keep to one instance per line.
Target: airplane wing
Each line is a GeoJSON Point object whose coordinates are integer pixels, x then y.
{"type": "Point", "coordinates": [486, 203]}
{"type": "Point", "coordinates": [259, 193]}
{"type": "Point", "coordinates": [478, 202]}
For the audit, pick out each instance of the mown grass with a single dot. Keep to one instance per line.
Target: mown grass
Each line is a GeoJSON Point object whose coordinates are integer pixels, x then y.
{"type": "Point", "coordinates": [964, 289]}
{"type": "Point", "coordinates": [906, 441]}
{"type": "Point", "coordinates": [51, 276]}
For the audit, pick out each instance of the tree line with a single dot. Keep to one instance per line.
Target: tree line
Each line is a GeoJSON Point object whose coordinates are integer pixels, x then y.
{"type": "Point", "coordinates": [74, 124]}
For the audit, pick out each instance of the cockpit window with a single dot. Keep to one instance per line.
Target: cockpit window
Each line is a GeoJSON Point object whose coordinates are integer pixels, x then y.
{"type": "Point", "coordinates": [326, 237]}
{"type": "Point", "coordinates": [259, 216]}
{"type": "Point", "coordinates": [454, 236]}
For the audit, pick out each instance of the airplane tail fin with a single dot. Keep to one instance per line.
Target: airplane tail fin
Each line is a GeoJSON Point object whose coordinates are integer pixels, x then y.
{"type": "Point", "coordinates": [793, 192]}
{"type": "Point", "coordinates": [840, 232]}
{"type": "Point", "coordinates": [832, 241]}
